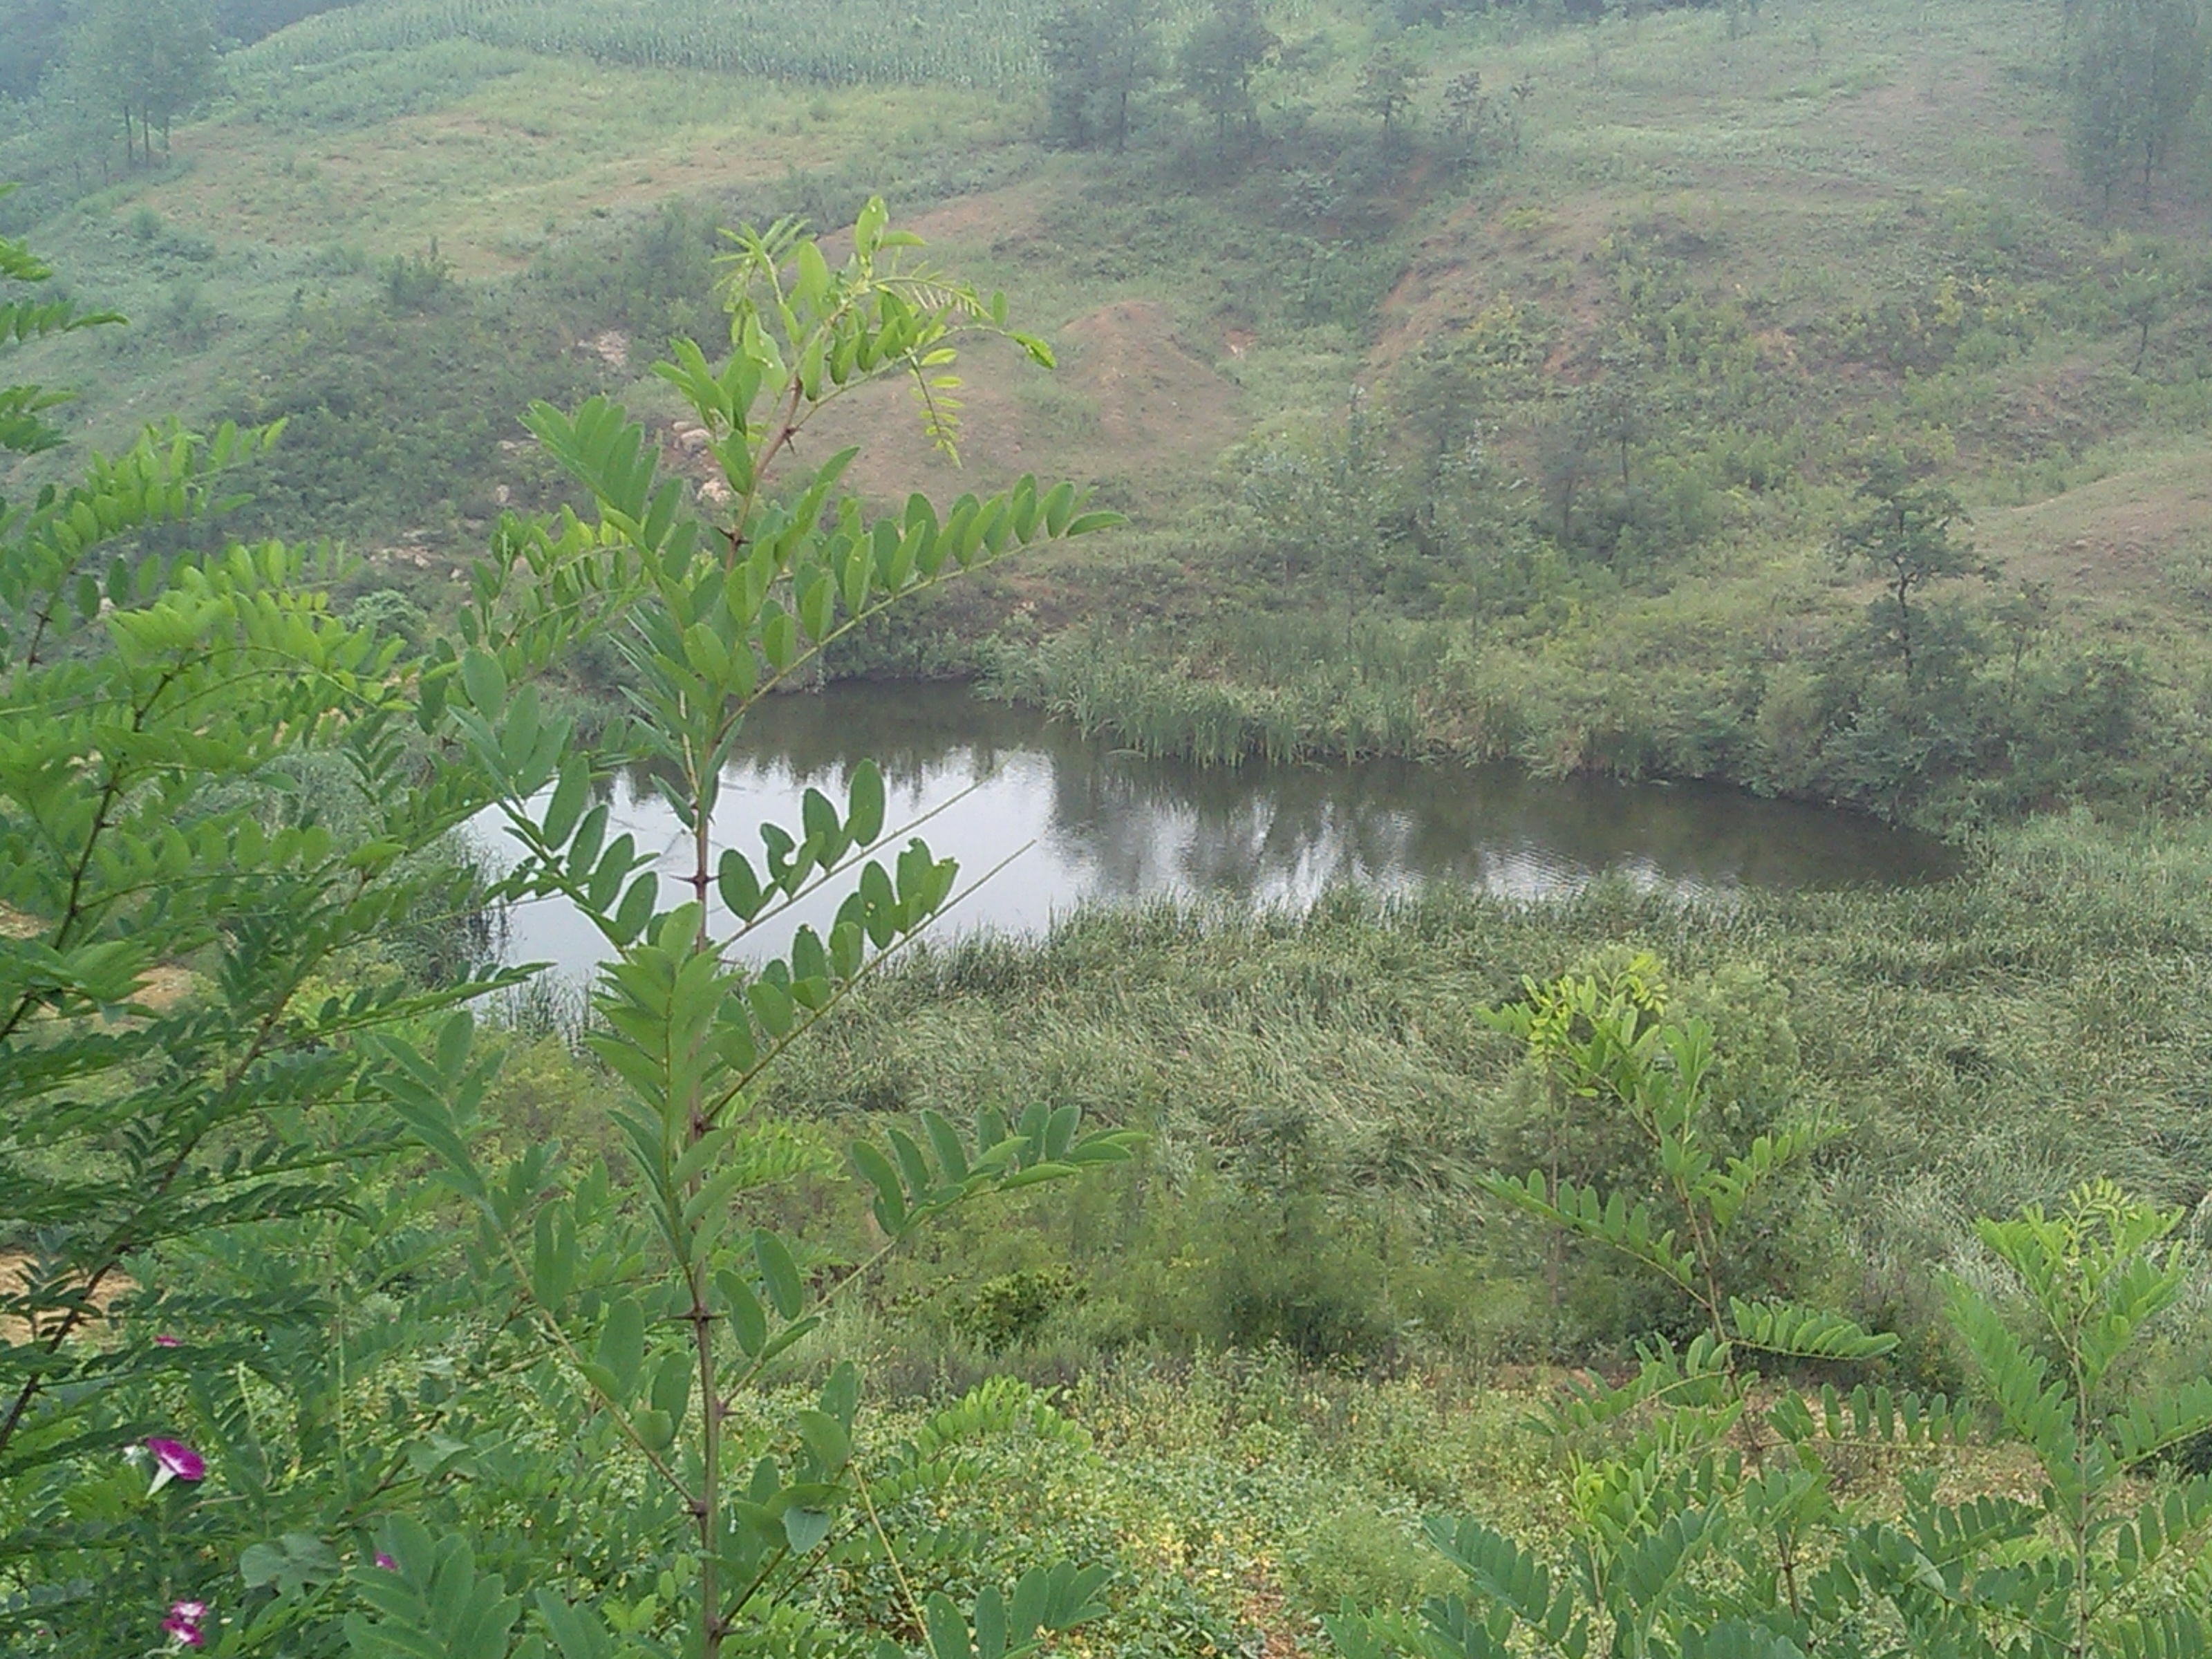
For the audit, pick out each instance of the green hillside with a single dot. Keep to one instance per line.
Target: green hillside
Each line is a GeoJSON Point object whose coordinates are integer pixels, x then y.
{"type": "Point", "coordinates": [1564, 383]}
{"type": "Point", "coordinates": [1815, 398]}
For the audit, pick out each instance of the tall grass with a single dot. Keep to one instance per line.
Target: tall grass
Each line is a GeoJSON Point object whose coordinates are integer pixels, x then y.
{"type": "Point", "coordinates": [359, 89]}
{"type": "Point", "coordinates": [1274, 689]}
{"type": "Point", "coordinates": [966, 43]}
{"type": "Point", "coordinates": [1323, 1077]}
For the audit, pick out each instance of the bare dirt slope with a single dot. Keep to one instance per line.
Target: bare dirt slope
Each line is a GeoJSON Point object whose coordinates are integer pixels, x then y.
{"type": "Point", "coordinates": [1129, 401]}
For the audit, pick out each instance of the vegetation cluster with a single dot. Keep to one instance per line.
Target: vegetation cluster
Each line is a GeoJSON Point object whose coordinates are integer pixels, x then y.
{"type": "Point", "coordinates": [1539, 458]}
{"type": "Point", "coordinates": [1758, 1277]}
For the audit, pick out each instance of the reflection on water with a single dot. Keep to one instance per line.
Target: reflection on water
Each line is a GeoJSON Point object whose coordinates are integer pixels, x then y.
{"type": "Point", "coordinates": [1080, 820]}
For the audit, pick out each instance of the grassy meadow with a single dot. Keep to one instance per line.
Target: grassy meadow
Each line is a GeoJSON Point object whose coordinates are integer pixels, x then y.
{"type": "Point", "coordinates": [1530, 441]}
{"type": "Point", "coordinates": [1295, 1327]}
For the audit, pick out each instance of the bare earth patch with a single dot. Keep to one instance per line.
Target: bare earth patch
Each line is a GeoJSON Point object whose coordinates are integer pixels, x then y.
{"type": "Point", "coordinates": [1157, 400]}
{"type": "Point", "coordinates": [162, 989]}
{"type": "Point", "coordinates": [989, 219]}
{"type": "Point", "coordinates": [14, 1269]}
{"type": "Point", "coordinates": [1129, 400]}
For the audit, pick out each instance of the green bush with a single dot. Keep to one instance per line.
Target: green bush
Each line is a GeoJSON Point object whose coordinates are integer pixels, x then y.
{"type": "Point", "coordinates": [1721, 1525]}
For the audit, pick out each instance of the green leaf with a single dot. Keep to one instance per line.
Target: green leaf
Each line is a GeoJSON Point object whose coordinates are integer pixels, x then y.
{"type": "Point", "coordinates": [621, 1345]}
{"type": "Point", "coordinates": [485, 681]}
{"type": "Point", "coordinates": [1800, 1333]}
{"type": "Point", "coordinates": [779, 1273]}
{"type": "Point", "coordinates": [826, 1437]}
{"type": "Point", "coordinates": [864, 816]}
{"type": "Point", "coordinates": [1059, 507]}
{"type": "Point", "coordinates": [806, 1529]}
{"type": "Point", "coordinates": [880, 906]}
{"type": "Point", "coordinates": [818, 819]}
{"type": "Point", "coordinates": [295, 1562]}
{"type": "Point", "coordinates": [576, 1631]}
{"type": "Point", "coordinates": [771, 1005]}
{"type": "Point", "coordinates": [890, 1195]}
{"type": "Point", "coordinates": [614, 867]}
{"type": "Point", "coordinates": [748, 1319]}
{"type": "Point", "coordinates": [672, 1384]}
{"type": "Point", "coordinates": [636, 908]}
{"type": "Point", "coordinates": [570, 799]}
{"type": "Point", "coordinates": [848, 943]}
{"type": "Point", "coordinates": [454, 1039]}
{"type": "Point", "coordinates": [948, 1631]}
{"type": "Point", "coordinates": [990, 1623]}
{"type": "Point", "coordinates": [840, 1393]}
{"type": "Point", "coordinates": [740, 889]}
{"type": "Point", "coordinates": [809, 960]}
{"type": "Point", "coordinates": [945, 1142]}
{"type": "Point", "coordinates": [589, 835]}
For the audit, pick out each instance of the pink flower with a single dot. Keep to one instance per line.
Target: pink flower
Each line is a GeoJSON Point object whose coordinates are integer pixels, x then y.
{"type": "Point", "coordinates": [175, 1461]}
{"type": "Point", "coordinates": [183, 1623]}
{"type": "Point", "coordinates": [165, 1340]}
{"type": "Point", "coordinates": [386, 1562]}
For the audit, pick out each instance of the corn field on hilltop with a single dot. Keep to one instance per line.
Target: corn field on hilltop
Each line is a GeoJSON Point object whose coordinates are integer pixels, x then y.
{"type": "Point", "coordinates": [962, 43]}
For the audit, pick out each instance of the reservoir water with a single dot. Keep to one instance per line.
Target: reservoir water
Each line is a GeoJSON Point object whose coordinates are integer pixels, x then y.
{"type": "Point", "coordinates": [1075, 820]}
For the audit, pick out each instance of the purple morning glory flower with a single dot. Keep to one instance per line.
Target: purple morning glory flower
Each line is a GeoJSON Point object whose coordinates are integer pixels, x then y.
{"type": "Point", "coordinates": [183, 1623]}
{"type": "Point", "coordinates": [175, 1461]}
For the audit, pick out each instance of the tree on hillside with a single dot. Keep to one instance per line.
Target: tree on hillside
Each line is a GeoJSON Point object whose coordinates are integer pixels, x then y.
{"type": "Point", "coordinates": [35, 31]}
{"type": "Point", "coordinates": [2145, 295]}
{"type": "Point", "coordinates": [1230, 45]}
{"type": "Point", "coordinates": [1388, 83]}
{"type": "Point", "coordinates": [152, 60]}
{"type": "Point", "coordinates": [1589, 435]}
{"type": "Point", "coordinates": [1617, 411]}
{"type": "Point", "coordinates": [1323, 500]}
{"type": "Point", "coordinates": [75, 119]}
{"type": "Point", "coordinates": [1904, 536]}
{"type": "Point", "coordinates": [2137, 69]}
{"type": "Point", "coordinates": [1566, 460]}
{"type": "Point", "coordinates": [1099, 56]}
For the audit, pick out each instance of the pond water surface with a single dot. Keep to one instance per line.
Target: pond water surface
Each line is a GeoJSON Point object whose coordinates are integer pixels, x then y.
{"type": "Point", "coordinates": [1076, 821]}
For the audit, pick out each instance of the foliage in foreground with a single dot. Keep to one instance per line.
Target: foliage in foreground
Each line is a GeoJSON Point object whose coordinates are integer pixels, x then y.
{"type": "Point", "coordinates": [196, 1095]}
{"type": "Point", "coordinates": [667, 1312]}
{"type": "Point", "coordinates": [179, 734]}
{"type": "Point", "coordinates": [1706, 1520]}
